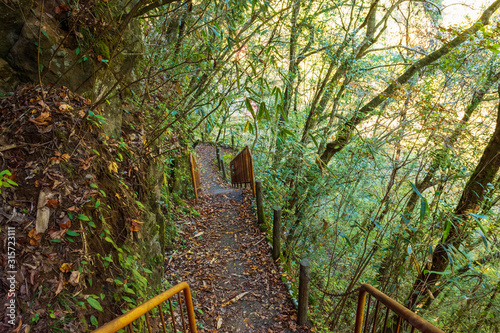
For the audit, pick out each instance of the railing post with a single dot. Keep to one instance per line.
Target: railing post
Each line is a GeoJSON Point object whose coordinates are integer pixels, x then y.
{"type": "Point", "coordinates": [190, 309]}
{"type": "Point", "coordinates": [276, 233]}
{"type": "Point", "coordinates": [193, 175]}
{"type": "Point", "coordinates": [358, 326]}
{"type": "Point", "coordinates": [217, 153]}
{"type": "Point", "coordinates": [261, 219]}
{"type": "Point", "coordinates": [303, 292]}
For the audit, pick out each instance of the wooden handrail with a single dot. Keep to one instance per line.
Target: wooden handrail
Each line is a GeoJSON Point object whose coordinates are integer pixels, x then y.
{"type": "Point", "coordinates": [242, 169]}
{"type": "Point", "coordinates": [195, 174]}
{"type": "Point", "coordinates": [128, 318]}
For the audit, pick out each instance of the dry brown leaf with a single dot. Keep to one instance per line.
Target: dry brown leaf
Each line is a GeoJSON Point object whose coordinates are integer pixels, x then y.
{"type": "Point", "coordinates": [34, 237]}
{"type": "Point", "coordinates": [42, 119]}
{"type": "Point", "coordinates": [65, 223]}
{"type": "Point", "coordinates": [52, 203]}
{"type": "Point", "coordinates": [235, 299]}
{"type": "Point", "coordinates": [61, 8]}
{"type": "Point", "coordinates": [60, 287]}
{"type": "Point", "coordinates": [136, 225]}
{"type": "Point", "coordinates": [65, 107]}
{"type": "Point", "coordinates": [219, 322]}
{"type": "Point", "coordinates": [57, 234]}
{"type": "Point", "coordinates": [74, 278]}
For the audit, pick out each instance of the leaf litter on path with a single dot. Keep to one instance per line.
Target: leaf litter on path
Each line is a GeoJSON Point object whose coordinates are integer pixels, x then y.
{"type": "Point", "coordinates": [236, 285]}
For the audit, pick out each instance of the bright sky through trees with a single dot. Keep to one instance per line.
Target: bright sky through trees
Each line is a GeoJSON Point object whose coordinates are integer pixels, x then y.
{"type": "Point", "coordinates": [458, 12]}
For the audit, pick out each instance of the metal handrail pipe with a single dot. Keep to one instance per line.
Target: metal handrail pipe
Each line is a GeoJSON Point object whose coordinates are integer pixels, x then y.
{"type": "Point", "coordinates": [415, 320]}
{"type": "Point", "coordinates": [134, 314]}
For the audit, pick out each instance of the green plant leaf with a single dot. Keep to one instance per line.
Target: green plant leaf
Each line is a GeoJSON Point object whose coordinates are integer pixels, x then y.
{"type": "Point", "coordinates": [95, 304]}
{"type": "Point", "coordinates": [45, 33]}
{"type": "Point", "coordinates": [447, 228]}
{"type": "Point", "coordinates": [424, 206]}
{"type": "Point", "coordinates": [249, 107]}
{"type": "Point", "coordinates": [94, 322]}
{"type": "Point", "coordinates": [83, 217]}
{"type": "Point", "coordinates": [11, 182]}
{"type": "Point", "coordinates": [128, 299]}
{"type": "Point", "coordinates": [482, 231]}
{"type": "Point", "coordinates": [72, 233]}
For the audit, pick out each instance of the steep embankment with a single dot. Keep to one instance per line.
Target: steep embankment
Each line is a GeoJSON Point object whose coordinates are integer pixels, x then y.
{"type": "Point", "coordinates": [227, 261]}
{"type": "Point", "coordinates": [80, 208]}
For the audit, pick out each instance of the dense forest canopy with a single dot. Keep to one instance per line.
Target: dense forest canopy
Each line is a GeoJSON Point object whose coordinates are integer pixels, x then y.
{"type": "Point", "coordinates": [370, 121]}
{"type": "Point", "coordinates": [375, 125]}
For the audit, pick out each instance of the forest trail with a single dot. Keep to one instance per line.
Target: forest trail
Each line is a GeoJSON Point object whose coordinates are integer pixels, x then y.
{"type": "Point", "coordinates": [227, 262]}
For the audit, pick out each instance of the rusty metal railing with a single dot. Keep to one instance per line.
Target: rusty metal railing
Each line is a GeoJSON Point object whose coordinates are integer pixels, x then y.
{"type": "Point", "coordinates": [195, 174]}
{"type": "Point", "coordinates": [242, 169]}
{"type": "Point", "coordinates": [128, 318]}
{"type": "Point", "coordinates": [406, 319]}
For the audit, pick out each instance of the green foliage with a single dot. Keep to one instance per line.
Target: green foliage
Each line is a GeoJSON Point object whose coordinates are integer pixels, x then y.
{"type": "Point", "coordinates": [5, 181]}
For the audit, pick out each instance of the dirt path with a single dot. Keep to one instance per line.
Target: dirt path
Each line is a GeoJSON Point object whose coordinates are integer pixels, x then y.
{"type": "Point", "coordinates": [227, 261]}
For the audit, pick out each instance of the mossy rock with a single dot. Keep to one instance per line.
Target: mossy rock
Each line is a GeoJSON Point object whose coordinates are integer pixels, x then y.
{"type": "Point", "coordinates": [102, 49]}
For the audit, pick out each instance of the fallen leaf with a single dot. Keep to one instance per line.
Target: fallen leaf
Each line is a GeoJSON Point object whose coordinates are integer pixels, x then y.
{"type": "Point", "coordinates": [65, 157]}
{"type": "Point", "coordinates": [42, 119]}
{"type": "Point", "coordinates": [235, 299]}
{"type": "Point", "coordinates": [34, 237]}
{"type": "Point", "coordinates": [113, 167]}
{"type": "Point", "coordinates": [61, 8]}
{"type": "Point", "coordinates": [136, 225]}
{"type": "Point", "coordinates": [56, 184]}
{"type": "Point", "coordinates": [66, 267]}
{"type": "Point", "coordinates": [57, 234]}
{"type": "Point", "coordinates": [74, 278]}
{"type": "Point", "coordinates": [219, 322]}
{"type": "Point", "coordinates": [52, 203]}
{"type": "Point", "coordinates": [65, 107]}
{"type": "Point", "coordinates": [65, 223]}
{"type": "Point", "coordinates": [60, 286]}
{"type": "Point", "coordinates": [33, 234]}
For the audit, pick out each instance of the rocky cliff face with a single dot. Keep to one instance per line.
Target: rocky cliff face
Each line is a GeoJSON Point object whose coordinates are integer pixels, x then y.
{"type": "Point", "coordinates": [79, 48]}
